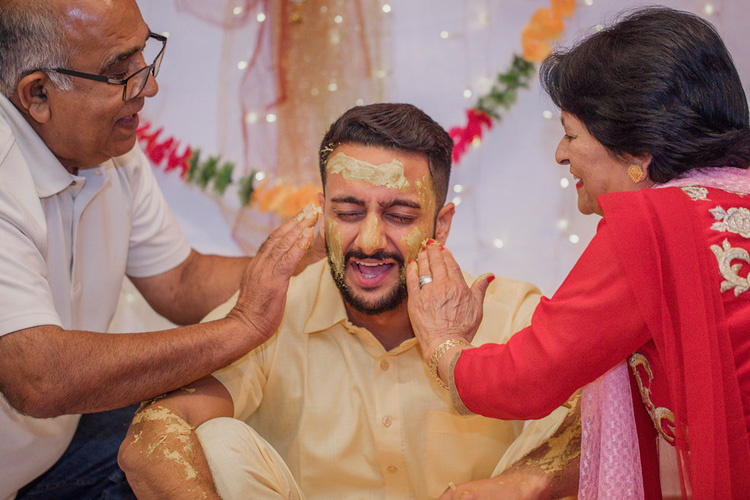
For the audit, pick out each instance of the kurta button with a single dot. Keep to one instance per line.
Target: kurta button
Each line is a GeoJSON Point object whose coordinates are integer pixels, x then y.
{"type": "Point", "coordinates": [392, 469]}
{"type": "Point", "coordinates": [384, 365]}
{"type": "Point", "coordinates": [387, 421]}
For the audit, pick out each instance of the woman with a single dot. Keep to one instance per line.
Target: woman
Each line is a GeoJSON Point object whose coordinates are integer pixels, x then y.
{"type": "Point", "coordinates": [658, 139]}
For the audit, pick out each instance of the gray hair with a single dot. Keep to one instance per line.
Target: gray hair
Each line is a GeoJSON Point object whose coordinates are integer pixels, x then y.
{"type": "Point", "coordinates": [32, 37]}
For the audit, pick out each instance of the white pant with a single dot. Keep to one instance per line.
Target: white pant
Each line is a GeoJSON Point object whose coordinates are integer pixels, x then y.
{"type": "Point", "coordinates": [243, 464]}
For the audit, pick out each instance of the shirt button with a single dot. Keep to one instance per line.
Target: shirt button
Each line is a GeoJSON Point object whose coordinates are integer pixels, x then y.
{"type": "Point", "coordinates": [392, 469]}
{"type": "Point", "coordinates": [387, 421]}
{"type": "Point", "coordinates": [384, 365]}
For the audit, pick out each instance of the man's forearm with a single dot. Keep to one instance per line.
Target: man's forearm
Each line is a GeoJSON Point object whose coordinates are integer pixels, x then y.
{"type": "Point", "coordinates": [555, 463]}
{"type": "Point", "coordinates": [550, 471]}
{"type": "Point", "coordinates": [200, 284]}
{"type": "Point", "coordinates": [48, 371]}
{"type": "Point", "coordinates": [162, 457]}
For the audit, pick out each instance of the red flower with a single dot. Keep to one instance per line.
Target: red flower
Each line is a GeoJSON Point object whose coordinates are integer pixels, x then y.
{"type": "Point", "coordinates": [182, 161]}
{"type": "Point", "coordinates": [462, 137]}
{"type": "Point", "coordinates": [157, 151]}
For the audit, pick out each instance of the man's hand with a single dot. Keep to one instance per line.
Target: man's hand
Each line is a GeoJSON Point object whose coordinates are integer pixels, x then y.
{"type": "Point", "coordinates": [262, 298]}
{"type": "Point", "coordinates": [550, 471]}
{"type": "Point", "coordinates": [512, 485]}
{"type": "Point", "coordinates": [316, 252]}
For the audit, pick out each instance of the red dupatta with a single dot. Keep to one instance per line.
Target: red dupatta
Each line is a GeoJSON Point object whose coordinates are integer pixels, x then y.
{"type": "Point", "coordinates": [665, 255]}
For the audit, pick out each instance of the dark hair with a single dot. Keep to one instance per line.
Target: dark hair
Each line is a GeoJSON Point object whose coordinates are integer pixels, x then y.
{"type": "Point", "coordinates": [659, 81]}
{"type": "Point", "coordinates": [402, 127]}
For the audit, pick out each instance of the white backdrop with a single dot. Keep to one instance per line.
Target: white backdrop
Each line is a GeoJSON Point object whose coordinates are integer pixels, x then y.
{"type": "Point", "coordinates": [510, 187]}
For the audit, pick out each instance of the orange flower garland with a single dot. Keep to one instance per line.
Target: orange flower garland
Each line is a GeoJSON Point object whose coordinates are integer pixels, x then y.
{"type": "Point", "coordinates": [545, 26]}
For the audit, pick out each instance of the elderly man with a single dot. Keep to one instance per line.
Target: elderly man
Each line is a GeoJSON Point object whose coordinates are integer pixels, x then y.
{"type": "Point", "coordinates": [338, 404]}
{"type": "Point", "coordinates": [79, 210]}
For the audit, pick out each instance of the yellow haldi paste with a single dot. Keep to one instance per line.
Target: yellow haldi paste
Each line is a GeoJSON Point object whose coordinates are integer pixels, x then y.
{"type": "Point", "coordinates": [335, 248]}
{"type": "Point", "coordinates": [390, 175]}
{"type": "Point", "coordinates": [371, 234]}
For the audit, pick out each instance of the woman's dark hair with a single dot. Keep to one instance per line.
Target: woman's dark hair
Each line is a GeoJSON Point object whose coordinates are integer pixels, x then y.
{"type": "Point", "coordinates": [659, 81]}
{"type": "Point", "coordinates": [402, 127]}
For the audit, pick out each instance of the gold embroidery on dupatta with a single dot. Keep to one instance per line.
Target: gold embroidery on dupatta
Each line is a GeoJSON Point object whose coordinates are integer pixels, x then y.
{"type": "Point", "coordinates": [735, 220]}
{"type": "Point", "coordinates": [696, 192]}
{"type": "Point", "coordinates": [725, 254]}
{"type": "Point", "coordinates": [663, 418]}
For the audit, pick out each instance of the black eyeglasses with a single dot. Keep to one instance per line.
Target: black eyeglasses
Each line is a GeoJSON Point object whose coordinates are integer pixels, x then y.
{"type": "Point", "coordinates": [135, 83]}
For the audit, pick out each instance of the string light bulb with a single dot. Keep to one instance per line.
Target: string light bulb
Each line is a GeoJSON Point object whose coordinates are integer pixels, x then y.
{"type": "Point", "coordinates": [573, 238]}
{"type": "Point", "coordinates": [709, 9]}
{"type": "Point", "coordinates": [564, 182]}
{"type": "Point", "coordinates": [386, 8]}
{"type": "Point", "coordinates": [259, 176]}
{"type": "Point", "coordinates": [260, 17]}
{"type": "Point", "coordinates": [498, 243]}
{"type": "Point", "coordinates": [251, 117]}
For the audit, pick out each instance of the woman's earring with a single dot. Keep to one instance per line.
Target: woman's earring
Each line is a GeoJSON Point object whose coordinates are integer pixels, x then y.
{"type": "Point", "coordinates": [636, 173]}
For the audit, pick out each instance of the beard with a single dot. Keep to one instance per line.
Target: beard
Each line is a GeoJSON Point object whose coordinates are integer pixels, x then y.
{"type": "Point", "coordinates": [395, 296]}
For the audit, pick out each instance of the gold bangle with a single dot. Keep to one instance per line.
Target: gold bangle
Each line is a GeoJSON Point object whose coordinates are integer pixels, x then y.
{"type": "Point", "coordinates": [438, 354]}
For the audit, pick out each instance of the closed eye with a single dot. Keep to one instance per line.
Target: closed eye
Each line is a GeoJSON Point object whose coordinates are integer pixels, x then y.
{"type": "Point", "coordinates": [349, 216]}
{"type": "Point", "coordinates": [401, 219]}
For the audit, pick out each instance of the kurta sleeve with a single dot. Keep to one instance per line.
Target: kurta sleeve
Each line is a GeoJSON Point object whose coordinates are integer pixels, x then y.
{"type": "Point", "coordinates": [587, 327]}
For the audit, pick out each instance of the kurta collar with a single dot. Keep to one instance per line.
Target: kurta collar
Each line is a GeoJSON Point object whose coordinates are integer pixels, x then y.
{"type": "Point", "coordinates": [328, 308]}
{"type": "Point", "coordinates": [50, 176]}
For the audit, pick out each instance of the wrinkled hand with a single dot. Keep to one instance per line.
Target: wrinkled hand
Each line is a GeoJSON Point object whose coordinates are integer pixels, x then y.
{"type": "Point", "coordinates": [262, 297]}
{"type": "Point", "coordinates": [313, 254]}
{"type": "Point", "coordinates": [507, 486]}
{"type": "Point", "coordinates": [446, 307]}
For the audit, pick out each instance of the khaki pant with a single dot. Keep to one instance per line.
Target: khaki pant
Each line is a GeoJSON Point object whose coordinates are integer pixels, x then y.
{"type": "Point", "coordinates": [243, 464]}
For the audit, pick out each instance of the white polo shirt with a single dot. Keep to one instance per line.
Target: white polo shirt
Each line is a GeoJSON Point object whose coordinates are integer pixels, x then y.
{"type": "Point", "coordinates": [67, 241]}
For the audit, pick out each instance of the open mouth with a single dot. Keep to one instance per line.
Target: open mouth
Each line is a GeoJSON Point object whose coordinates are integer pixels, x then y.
{"type": "Point", "coordinates": [371, 274]}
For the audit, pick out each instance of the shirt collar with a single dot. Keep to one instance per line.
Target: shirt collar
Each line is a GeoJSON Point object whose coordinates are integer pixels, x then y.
{"type": "Point", "coordinates": [50, 177]}
{"type": "Point", "coordinates": [328, 308]}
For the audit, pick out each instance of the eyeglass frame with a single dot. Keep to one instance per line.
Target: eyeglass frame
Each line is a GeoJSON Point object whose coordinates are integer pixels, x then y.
{"type": "Point", "coordinates": [152, 68]}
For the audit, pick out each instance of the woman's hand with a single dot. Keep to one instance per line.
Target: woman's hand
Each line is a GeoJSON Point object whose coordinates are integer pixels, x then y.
{"type": "Point", "coordinates": [444, 308]}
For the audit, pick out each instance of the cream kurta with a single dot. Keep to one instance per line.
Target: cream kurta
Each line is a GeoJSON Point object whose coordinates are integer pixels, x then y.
{"type": "Point", "coordinates": [354, 421]}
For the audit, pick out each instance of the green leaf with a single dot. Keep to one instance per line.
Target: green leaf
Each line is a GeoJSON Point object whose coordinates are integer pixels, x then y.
{"type": "Point", "coordinates": [192, 173]}
{"type": "Point", "coordinates": [223, 178]}
{"type": "Point", "coordinates": [208, 171]}
{"type": "Point", "coordinates": [246, 188]}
